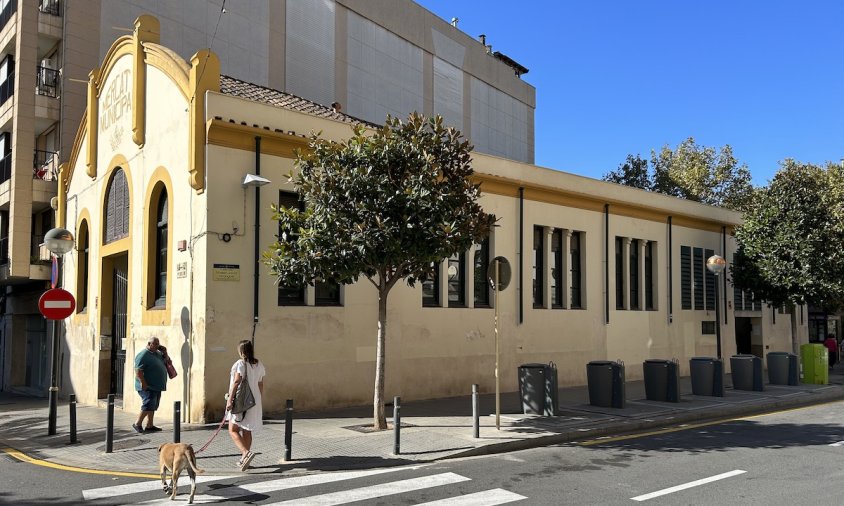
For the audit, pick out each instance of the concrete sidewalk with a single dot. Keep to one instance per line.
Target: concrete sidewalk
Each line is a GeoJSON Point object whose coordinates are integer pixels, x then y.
{"type": "Point", "coordinates": [431, 430]}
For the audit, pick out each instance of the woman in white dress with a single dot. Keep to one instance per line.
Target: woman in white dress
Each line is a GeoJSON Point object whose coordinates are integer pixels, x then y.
{"type": "Point", "coordinates": [241, 430]}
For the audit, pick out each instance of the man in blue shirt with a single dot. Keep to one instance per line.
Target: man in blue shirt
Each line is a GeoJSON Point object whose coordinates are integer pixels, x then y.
{"type": "Point", "coordinates": [150, 381]}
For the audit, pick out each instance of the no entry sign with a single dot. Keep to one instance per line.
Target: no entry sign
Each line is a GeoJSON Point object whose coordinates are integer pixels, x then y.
{"type": "Point", "coordinates": [56, 304]}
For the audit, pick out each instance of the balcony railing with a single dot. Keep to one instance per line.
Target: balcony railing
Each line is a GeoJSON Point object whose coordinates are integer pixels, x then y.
{"type": "Point", "coordinates": [46, 165]}
{"type": "Point", "coordinates": [6, 168]}
{"type": "Point", "coordinates": [47, 82]}
{"type": "Point", "coordinates": [9, 8]}
{"type": "Point", "coordinates": [49, 7]}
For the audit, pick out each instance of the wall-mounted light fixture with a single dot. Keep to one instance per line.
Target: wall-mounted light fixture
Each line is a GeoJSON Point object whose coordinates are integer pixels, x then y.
{"type": "Point", "coordinates": [253, 180]}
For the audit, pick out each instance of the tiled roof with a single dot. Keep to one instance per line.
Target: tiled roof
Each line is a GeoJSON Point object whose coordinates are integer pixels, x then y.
{"type": "Point", "coordinates": [235, 87]}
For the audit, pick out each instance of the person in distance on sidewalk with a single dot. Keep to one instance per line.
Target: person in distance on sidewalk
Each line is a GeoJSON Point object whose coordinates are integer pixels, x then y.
{"type": "Point", "coordinates": [150, 381]}
{"type": "Point", "coordinates": [242, 425]}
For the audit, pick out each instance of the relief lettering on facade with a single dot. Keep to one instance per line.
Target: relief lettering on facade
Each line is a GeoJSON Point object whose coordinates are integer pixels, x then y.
{"type": "Point", "coordinates": [116, 101]}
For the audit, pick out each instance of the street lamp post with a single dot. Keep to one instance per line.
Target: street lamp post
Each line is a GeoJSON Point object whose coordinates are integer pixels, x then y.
{"type": "Point", "coordinates": [59, 241]}
{"type": "Point", "coordinates": [716, 265]}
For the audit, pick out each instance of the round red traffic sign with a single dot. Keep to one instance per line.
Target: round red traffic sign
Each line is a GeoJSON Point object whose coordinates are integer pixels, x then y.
{"type": "Point", "coordinates": [56, 304]}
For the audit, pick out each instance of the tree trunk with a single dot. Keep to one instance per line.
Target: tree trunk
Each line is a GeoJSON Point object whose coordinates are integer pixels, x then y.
{"type": "Point", "coordinates": [380, 420]}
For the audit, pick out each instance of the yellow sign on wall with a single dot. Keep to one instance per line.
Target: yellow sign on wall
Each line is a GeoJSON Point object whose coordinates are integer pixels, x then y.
{"type": "Point", "coordinates": [226, 272]}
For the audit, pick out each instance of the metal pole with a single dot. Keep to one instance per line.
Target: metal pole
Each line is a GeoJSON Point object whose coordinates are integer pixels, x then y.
{"type": "Point", "coordinates": [54, 379]}
{"type": "Point", "coordinates": [72, 406]}
{"type": "Point", "coordinates": [717, 318]}
{"type": "Point", "coordinates": [288, 431]}
{"type": "Point", "coordinates": [476, 425]}
{"type": "Point", "coordinates": [497, 379]}
{"type": "Point", "coordinates": [397, 425]}
{"type": "Point", "coordinates": [110, 424]}
{"type": "Point", "coordinates": [177, 417]}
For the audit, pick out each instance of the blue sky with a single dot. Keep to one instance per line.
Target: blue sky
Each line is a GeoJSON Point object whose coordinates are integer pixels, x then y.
{"type": "Point", "coordinates": [619, 77]}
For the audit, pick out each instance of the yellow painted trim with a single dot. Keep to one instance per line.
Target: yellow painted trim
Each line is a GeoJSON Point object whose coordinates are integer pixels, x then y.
{"type": "Point", "coordinates": [237, 136]}
{"type": "Point", "coordinates": [92, 117]}
{"type": "Point", "coordinates": [43, 463]}
{"type": "Point", "coordinates": [171, 64]}
{"type": "Point", "coordinates": [496, 185]}
{"type": "Point", "coordinates": [123, 46]}
{"type": "Point", "coordinates": [147, 28]}
{"type": "Point", "coordinates": [84, 219]}
{"type": "Point", "coordinates": [117, 247]}
{"type": "Point", "coordinates": [204, 77]}
{"type": "Point", "coordinates": [159, 179]}
{"type": "Point", "coordinates": [81, 133]}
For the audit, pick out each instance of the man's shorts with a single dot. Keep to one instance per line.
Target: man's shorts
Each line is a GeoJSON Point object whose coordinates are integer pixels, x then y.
{"type": "Point", "coordinates": [150, 399]}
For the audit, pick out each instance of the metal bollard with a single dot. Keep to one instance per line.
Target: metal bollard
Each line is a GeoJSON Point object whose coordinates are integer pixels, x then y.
{"type": "Point", "coordinates": [72, 406]}
{"type": "Point", "coordinates": [110, 424]}
{"type": "Point", "coordinates": [288, 431]}
{"type": "Point", "coordinates": [476, 423]}
{"type": "Point", "coordinates": [397, 425]}
{"type": "Point", "coordinates": [177, 417]}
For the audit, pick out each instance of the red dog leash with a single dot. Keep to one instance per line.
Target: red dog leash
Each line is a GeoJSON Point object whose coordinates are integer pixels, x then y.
{"type": "Point", "coordinates": [213, 435]}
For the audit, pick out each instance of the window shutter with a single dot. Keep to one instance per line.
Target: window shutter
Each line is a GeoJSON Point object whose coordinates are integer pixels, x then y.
{"type": "Point", "coordinates": [686, 277]}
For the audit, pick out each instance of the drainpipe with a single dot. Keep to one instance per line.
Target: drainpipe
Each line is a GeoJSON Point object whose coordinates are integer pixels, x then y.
{"type": "Point", "coordinates": [607, 264]}
{"type": "Point", "coordinates": [257, 239]}
{"type": "Point", "coordinates": [521, 253]}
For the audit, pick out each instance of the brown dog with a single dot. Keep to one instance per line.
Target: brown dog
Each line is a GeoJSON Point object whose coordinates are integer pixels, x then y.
{"type": "Point", "coordinates": [177, 457]}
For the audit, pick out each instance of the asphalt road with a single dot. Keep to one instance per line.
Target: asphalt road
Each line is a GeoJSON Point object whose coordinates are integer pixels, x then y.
{"type": "Point", "coordinates": [791, 457]}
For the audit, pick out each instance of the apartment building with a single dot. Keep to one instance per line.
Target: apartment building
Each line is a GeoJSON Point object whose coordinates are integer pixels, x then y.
{"type": "Point", "coordinates": [367, 58]}
{"type": "Point", "coordinates": [160, 191]}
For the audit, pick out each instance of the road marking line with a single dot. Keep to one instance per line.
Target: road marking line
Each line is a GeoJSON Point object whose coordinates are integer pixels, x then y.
{"type": "Point", "coordinates": [485, 498]}
{"type": "Point", "coordinates": [695, 483]}
{"type": "Point", "coordinates": [26, 458]}
{"type": "Point", "coordinates": [376, 491]}
{"type": "Point", "coordinates": [142, 486]}
{"type": "Point", "coordinates": [235, 491]}
{"type": "Point", "coordinates": [839, 443]}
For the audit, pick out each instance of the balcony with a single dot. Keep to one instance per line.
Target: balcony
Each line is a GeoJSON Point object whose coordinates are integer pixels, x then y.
{"type": "Point", "coordinates": [50, 7]}
{"type": "Point", "coordinates": [47, 82]}
{"type": "Point", "coordinates": [45, 165]}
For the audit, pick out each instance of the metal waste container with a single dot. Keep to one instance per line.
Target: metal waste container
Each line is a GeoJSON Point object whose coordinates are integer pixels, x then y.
{"type": "Point", "coordinates": [538, 389]}
{"type": "Point", "coordinates": [662, 380]}
{"type": "Point", "coordinates": [815, 360]}
{"type": "Point", "coordinates": [606, 383]}
{"type": "Point", "coordinates": [782, 368]}
{"type": "Point", "coordinates": [707, 376]}
{"type": "Point", "coordinates": [747, 372]}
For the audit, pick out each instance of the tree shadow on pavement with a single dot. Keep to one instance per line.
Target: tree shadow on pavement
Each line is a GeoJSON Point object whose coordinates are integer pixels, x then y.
{"type": "Point", "coordinates": [727, 436]}
{"type": "Point", "coordinates": [341, 463]}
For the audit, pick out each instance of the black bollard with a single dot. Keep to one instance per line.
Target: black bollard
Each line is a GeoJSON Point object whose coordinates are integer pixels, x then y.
{"type": "Point", "coordinates": [397, 425]}
{"type": "Point", "coordinates": [110, 424]}
{"type": "Point", "coordinates": [72, 406]}
{"type": "Point", "coordinates": [288, 431]}
{"type": "Point", "coordinates": [177, 417]}
{"type": "Point", "coordinates": [476, 423]}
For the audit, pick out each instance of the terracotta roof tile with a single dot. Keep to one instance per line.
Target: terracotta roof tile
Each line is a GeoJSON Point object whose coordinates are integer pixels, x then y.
{"type": "Point", "coordinates": [235, 87]}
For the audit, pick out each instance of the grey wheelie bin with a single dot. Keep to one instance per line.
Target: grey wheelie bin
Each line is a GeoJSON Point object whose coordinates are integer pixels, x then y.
{"type": "Point", "coordinates": [605, 380]}
{"type": "Point", "coordinates": [782, 368]}
{"type": "Point", "coordinates": [707, 376]}
{"type": "Point", "coordinates": [747, 372]}
{"type": "Point", "coordinates": [538, 389]}
{"type": "Point", "coordinates": [662, 380]}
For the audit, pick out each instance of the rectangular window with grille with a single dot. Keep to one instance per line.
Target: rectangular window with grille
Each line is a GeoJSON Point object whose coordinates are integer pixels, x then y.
{"type": "Point", "coordinates": [619, 273]}
{"type": "Point", "coordinates": [290, 295]}
{"type": "Point", "coordinates": [649, 276]}
{"type": "Point", "coordinates": [698, 268]}
{"type": "Point", "coordinates": [538, 259]}
{"type": "Point", "coordinates": [685, 277]}
{"type": "Point", "coordinates": [481, 262]}
{"type": "Point", "coordinates": [634, 274]}
{"type": "Point", "coordinates": [457, 280]}
{"type": "Point", "coordinates": [575, 271]}
{"type": "Point", "coordinates": [431, 287]}
{"type": "Point", "coordinates": [557, 269]}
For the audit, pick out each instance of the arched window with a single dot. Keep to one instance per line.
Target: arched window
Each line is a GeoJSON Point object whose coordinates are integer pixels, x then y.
{"type": "Point", "coordinates": [161, 250]}
{"type": "Point", "coordinates": [82, 270]}
{"type": "Point", "coordinates": [116, 208]}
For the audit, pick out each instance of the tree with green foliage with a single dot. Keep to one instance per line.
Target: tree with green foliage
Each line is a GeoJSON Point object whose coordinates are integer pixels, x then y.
{"type": "Point", "coordinates": [693, 172]}
{"type": "Point", "coordinates": [790, 243]}
{"type": "Point", "coordinates": [386, 205]}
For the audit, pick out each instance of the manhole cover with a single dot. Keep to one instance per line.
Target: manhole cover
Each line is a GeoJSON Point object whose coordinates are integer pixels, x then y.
{"type": "Point", "coordinates": [124, 444]}
{"type": "Point", "coordinates": [369, 428]}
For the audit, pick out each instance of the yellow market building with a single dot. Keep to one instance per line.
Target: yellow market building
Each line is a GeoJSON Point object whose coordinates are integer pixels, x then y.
{"type": "Point", "coordinates": [170, 182]}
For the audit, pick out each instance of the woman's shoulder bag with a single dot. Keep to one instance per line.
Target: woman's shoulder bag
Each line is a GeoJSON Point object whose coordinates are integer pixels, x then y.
{"type": "Point", "coordinates": [243, 398]}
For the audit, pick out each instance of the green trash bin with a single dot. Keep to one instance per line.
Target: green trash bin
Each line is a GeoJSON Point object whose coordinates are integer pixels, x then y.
{"type": "Point", "coordinates": [815, 360]}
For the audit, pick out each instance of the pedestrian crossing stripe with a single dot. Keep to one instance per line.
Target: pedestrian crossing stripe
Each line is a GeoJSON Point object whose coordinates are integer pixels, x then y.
{"type": "Point", "coordinates": [376, 491]}
{"type": "Point", "coordinates": [236, 491]}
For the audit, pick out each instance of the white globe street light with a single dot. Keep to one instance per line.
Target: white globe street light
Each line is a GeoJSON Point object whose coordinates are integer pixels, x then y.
{"type": "Point", "coordinates": [716, 265]}
{"type": "Point", "coordinates": [59, 241]}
